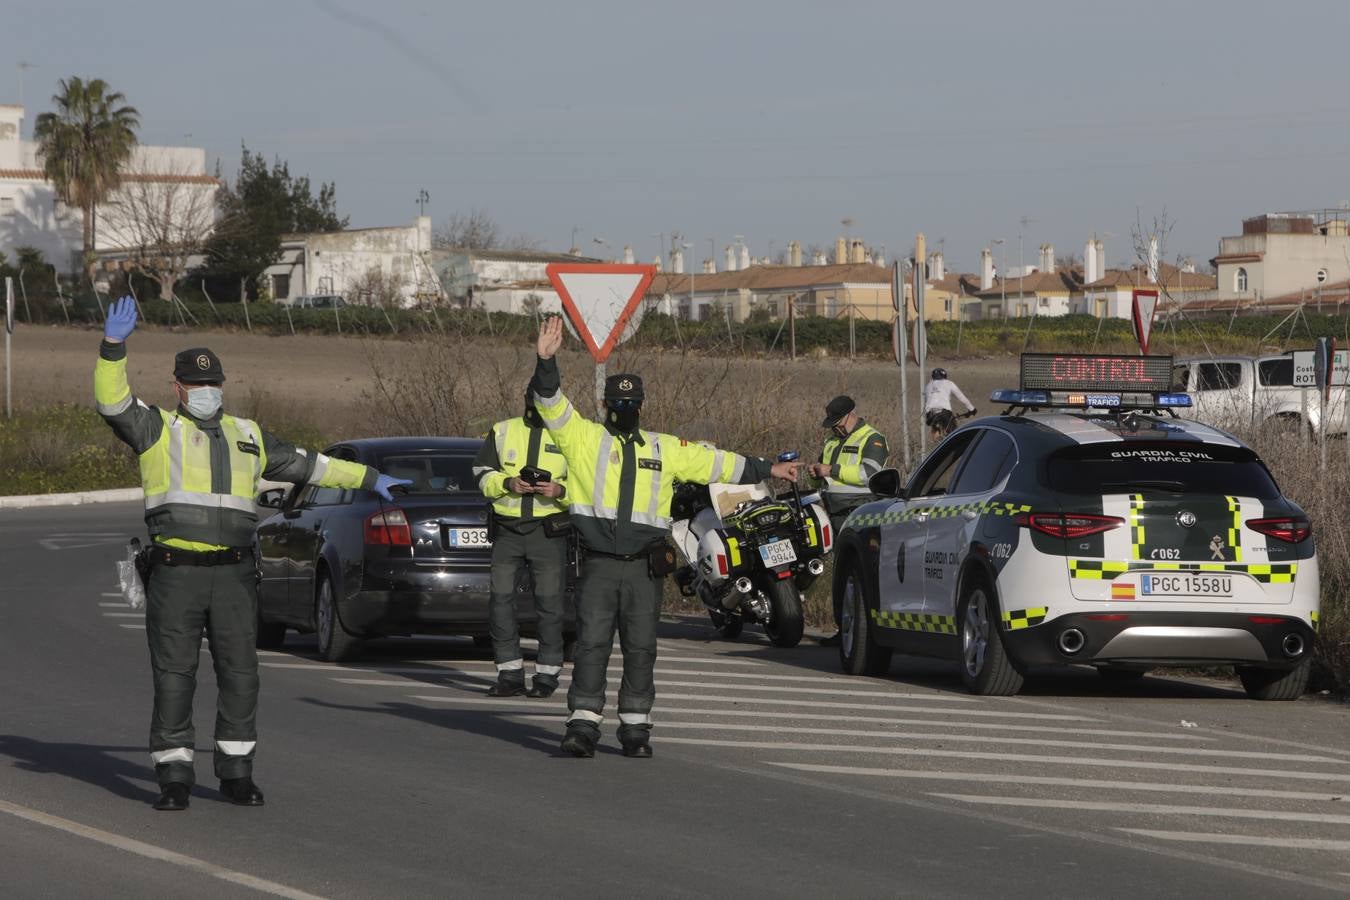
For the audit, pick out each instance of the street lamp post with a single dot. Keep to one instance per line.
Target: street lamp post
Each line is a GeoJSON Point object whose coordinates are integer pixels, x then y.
{"type": "Point", "coordinates": [1003, 277]}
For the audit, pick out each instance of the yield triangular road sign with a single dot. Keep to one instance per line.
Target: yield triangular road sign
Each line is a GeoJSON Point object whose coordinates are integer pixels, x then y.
{"type": "Point", "coordinates": [1141, 317]}
{"type": "Point", "coordinates": [600, 300]}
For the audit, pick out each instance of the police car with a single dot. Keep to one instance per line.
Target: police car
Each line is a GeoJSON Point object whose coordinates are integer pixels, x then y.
{"type": "Point", "coordinates": [1086, 525]}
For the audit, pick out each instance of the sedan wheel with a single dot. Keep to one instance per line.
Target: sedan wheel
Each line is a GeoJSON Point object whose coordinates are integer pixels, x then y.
{"type": "Point", "coordinates": [335, 644]}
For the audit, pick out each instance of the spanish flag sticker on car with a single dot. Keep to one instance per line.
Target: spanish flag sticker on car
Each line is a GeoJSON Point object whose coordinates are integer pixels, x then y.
{"type": "Point", "coordinates": [1122, 590]}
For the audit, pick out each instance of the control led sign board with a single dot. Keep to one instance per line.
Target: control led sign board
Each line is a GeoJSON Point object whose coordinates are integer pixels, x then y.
{"type": "Point", "coordinates": [1095, 372]}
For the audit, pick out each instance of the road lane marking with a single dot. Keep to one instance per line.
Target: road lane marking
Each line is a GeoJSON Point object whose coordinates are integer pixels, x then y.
{"type": "Point", "coordinates": [1096, 762]}
{"type": "Point", "coordinates": [1162, 809]}
{"type": "Point", "coordinates": [139, 625]}
{"type": "Point", "coordinates": [124, 615]}
{"type": "Point", "coordinates": [986, 778]}
{"type": "Point", "coordinates": [110, 605]}
{"type": "Point", "coordinates": [1254, 840]}
{"type": "Point", "coordinates": [150, 851]}
{"type": "Point", "coordinates": [1000, 739]}
{"type": "Point", "coordinates": [112, 594]}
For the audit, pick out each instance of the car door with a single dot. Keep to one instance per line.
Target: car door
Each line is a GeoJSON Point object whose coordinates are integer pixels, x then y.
{"type": "Point", "coordinates": [308, 527]}
{"type": "Point", "coordinates": [273, 566]}
{"type": "Point", "coordinates": [952, 527]}
{"type": "Point", "coordinates": [900, 576]}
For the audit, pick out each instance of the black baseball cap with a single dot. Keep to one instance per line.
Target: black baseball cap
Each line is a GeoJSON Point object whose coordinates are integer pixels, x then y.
{"type": "Point", "coordinates": [836, 409]}
{"type": "Point", "coordinates": [623, 387]}
{"type": "Point", "coordinates": [197, 365]}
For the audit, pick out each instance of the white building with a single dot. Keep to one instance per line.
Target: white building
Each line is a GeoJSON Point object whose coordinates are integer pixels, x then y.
{"type": "Point", "coordinates": [32, 216]}
{"type": "Point", "coordinates": [1282, 253]}
{"type": "Point", "coordinates": [508, 281]}
{"type": "Point", "coordinates": [363, 265]}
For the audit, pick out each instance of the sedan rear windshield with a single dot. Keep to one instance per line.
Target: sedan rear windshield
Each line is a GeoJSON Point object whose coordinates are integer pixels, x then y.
{"type": "Point", "coordinates": [431, 473]}
{"type": "Point", "coordinates": [1184, 468]}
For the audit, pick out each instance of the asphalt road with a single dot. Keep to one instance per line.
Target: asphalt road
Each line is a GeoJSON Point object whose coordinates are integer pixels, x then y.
{"type": "Point", "coordinates": [774, 775]}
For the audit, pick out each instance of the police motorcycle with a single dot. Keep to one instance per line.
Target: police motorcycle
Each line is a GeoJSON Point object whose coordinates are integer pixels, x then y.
{"type": "Point", "coordinates": [750, 554]}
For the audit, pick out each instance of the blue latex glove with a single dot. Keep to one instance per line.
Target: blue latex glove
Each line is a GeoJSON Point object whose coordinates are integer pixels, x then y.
{"type": "Point", "coordinates": [121, 320]}
{"type": "Point", "coordinates": [384, 482]}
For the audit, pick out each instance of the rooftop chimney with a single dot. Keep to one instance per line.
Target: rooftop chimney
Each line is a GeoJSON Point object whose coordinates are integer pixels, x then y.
{"type": "Point", "coordinates": [656, 261]}
{"type": "Point", "coordinates": [1100, 252]}
{"type": "Point", "coordinates": [1048, 258]}
{"type": "Point", "coordinates": [937, 267]}
{"type": "Point", "coordinates": [677, 262]}
{"type": "Point", "coordinates": [628, 254]}
{"type": "Point", "coordinates": [742, 256]}
{"type": "Point", "coordinates": [857, 252]}
{"type": "Point", "coordinates": [1090, 271]}
{"type": "Point", "coordinates": [794, 253]}
{"type": "Point", "coordinates": [840, 252]}
{"type": "Point", "coordinates": [986, 269]}
{"type": "Point", "coordinates": [730, 258]}
{"type": "Point", "coordinates": [710, 267]}
{"type": "Point", "coordinates": [818, 258]}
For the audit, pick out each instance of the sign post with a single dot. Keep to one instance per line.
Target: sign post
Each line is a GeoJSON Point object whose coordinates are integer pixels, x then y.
{"type": "Point", "coordinates": [1143, 309]}
{"type": "Point", "coordinates": [898, 347]}
{"type": "Point", "coordinates": [920, 327]}
{"type": "Point", "coordinates": [9, 330]}
{"type": "Point", "coordinates": [603, 304]}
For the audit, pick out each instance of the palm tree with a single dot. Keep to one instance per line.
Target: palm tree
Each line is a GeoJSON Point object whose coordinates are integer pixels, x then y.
{"type": "Point", "coordinates": [83, 146]}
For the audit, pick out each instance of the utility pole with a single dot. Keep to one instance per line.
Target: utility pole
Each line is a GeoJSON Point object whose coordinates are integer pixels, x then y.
{"type": "Point", "coordinates": [423, 198]}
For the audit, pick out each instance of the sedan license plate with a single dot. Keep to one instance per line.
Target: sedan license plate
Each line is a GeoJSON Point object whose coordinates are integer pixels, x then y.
{"type": "Point", "coordinates": [467, 537]}
{"type": "Point", "coordinates": [1186, 585]}
{"type": "Point", "coordinates": [778, 553]}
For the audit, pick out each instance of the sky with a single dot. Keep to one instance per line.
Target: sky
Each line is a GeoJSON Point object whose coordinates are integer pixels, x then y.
{"type": "Point", "coordinates": [1033, 122]}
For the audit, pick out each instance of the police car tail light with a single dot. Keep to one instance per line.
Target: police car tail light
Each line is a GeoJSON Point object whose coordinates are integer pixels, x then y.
{"type": "Point", "coordinates": [1069, 525]}
{"type": "Point", "coordinates": [389, 528]}
{"type": "Point", "coordinates": [1290, 529]}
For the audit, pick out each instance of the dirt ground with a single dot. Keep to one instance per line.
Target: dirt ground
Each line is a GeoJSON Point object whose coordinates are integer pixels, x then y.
{"type": "Point", "coordinates": [329, 383]}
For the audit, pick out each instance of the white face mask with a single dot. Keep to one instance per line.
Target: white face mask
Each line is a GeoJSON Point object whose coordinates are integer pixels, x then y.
{"type": "Point", "coordinates": [204, 402]}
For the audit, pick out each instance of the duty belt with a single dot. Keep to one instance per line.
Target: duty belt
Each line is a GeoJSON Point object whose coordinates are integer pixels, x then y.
{"type": "Point", "coordinates": [624, 557]}
{"type": "Point", "coordinates": [175, 556]}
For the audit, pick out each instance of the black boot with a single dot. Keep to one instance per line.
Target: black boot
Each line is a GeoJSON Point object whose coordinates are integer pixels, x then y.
{"type": "Point", "coordinates": [241, 791]}
{"type": "Point", "coordinates": [637, 745]}
{"type": "Point", "coordinates": [173, 797]}
{"type": "Point", "coordinates": [579, 741]}
{"type": "Point", "coordinates": [542, 687]}
{"type": "Point", "coordinates": [510, 683]}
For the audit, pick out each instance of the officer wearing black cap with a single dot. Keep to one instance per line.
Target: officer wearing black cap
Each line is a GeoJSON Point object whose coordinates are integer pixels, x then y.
{"type": "Point", "coordinates": [200, 469]}
{"type": "Point", "coordinates": [853, 453]}
{"type": "Point", "coordinates": [620, 481]}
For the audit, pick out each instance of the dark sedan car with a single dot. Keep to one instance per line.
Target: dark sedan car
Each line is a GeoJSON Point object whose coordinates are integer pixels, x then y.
{"type": "Point", "coordinates": [350, 566]}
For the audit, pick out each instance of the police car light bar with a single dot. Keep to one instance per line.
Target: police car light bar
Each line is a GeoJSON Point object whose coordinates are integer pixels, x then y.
{"type": "Point", "coordinates": [1085, 400]}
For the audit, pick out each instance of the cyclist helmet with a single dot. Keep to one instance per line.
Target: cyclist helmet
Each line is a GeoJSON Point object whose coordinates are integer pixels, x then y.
{"type": "Point", "coordinates": [939, 374]}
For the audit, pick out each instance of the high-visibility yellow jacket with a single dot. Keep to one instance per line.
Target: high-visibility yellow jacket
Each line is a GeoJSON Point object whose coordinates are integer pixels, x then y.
{"type": "Point", "coordinates": [852, 459]}
{"type": "Point", "coordinates": [511, 445]}
{"type": "Point", "coordinates": [620, 484]}
{"type": "Point", "coordinates": [200, 476]}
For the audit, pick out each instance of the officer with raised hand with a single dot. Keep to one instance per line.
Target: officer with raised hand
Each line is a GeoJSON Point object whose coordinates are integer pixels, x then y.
{"type": "Point", "coordinates": [200, 469]}
{"type": "Point", "coordinates": [620, 481]}
{"type": "Point", "coordinates": [853, 453]}
{"type": "Point", "coordinates": [523, 473]}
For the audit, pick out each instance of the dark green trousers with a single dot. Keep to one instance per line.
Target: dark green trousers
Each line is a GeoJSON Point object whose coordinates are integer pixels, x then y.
{"type": "Point", "coordinates": [514, 549]}
{"type": "Point", "coordinates": [615, 594]}
{"type": "Point", "coordinates": [182, 602]}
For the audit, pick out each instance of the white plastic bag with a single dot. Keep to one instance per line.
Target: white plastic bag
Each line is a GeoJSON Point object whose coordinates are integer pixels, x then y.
{"type": "Point", "coordinates": [130, 579]}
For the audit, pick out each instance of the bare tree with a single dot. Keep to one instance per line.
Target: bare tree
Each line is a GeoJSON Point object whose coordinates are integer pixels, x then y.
{"type": "Point", "coordinates": [477, 230]}
{"type": "Point", "coordinates": [162, 221]}
{"type": "Point", "coordinates": [378, 288]}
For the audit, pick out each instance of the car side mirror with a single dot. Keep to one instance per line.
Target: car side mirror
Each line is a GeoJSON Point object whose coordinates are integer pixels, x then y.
{"type": "Point", "coordinates": [886, 483]}
{"type": "Point", "coordinates": [272, 498]}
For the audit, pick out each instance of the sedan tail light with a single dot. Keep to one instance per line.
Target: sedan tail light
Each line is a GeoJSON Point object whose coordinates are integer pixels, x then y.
{"type": "Point", "coordinates": [389, 528]}
{"type": "Point", "coordinates": [1290, 529]}
{"type": "Point", "coordinates": [1068, 525]}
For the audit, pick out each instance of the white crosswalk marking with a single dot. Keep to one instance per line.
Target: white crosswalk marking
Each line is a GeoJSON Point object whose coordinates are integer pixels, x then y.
{"type": "Point", "coordinates": [1156, 809]}
{"type": "Point", "coordinates": [1047, 760]}
{"type": "Point", "coordinates": [1013, 778]}
{"type": "Point", "coordinates": [124, 615]}
{"type": "Point", "coordinates": [1245, 840]}
{"type": "Point", "coordinates": [132, 625]}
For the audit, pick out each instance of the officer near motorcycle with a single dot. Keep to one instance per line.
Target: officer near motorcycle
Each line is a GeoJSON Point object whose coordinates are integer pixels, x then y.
{"type": "Point", "coordinates": [521, 471]}
{"type": "Point", "coordinates": [853, 453]}
{"type": "Point", "coordinates": [620, 483]}
{"type": "Point", "coordinates": [200, 469]}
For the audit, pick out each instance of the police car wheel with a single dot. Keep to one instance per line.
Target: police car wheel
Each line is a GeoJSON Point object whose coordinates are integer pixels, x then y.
{"type": "Point", "coordinates": [859, 653]}
{"type": "Point", "coordinates": [335, 644]}
{"type": "Point", "coordinates": [1275, 684]}
{"type": "Point", "coordinates": [986, 668]}
{"type": "Point", "coordinates": [786, 624]}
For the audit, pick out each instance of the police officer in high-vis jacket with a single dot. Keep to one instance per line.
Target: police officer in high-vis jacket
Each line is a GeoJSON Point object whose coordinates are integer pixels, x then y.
{"type": "Point", "coordinates": [530, 530]}
{"type": "Point", "coordinates": [620, 480]}
{"type": "Point", "coordinates": [853, 453]}
{"type": "Point", "coordinates": [200, 470]}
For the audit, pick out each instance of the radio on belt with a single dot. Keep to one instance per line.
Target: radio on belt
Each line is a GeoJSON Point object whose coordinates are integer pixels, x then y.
{"type": "Point", "coordinates": [1094, 381]}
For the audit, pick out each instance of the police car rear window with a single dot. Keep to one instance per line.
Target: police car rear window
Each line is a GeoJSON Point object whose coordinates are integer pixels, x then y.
{"type": "Point", "coordinates": [1190, 468]}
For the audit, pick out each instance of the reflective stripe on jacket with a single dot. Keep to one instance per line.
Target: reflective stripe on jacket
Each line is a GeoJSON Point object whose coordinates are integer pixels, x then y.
{"type": "Point", "coordinates": [852, 460]}
{"type": "Point", "coordinates": [510, 446]}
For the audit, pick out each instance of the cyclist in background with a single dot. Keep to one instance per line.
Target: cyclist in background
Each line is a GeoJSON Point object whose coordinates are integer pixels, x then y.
{"type": "Point", "coordinates": [937, 404]}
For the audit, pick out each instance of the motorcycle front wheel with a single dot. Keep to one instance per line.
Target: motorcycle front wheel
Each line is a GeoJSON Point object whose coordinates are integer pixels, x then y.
{"type": "Point", "coordinates": [785, 626]}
